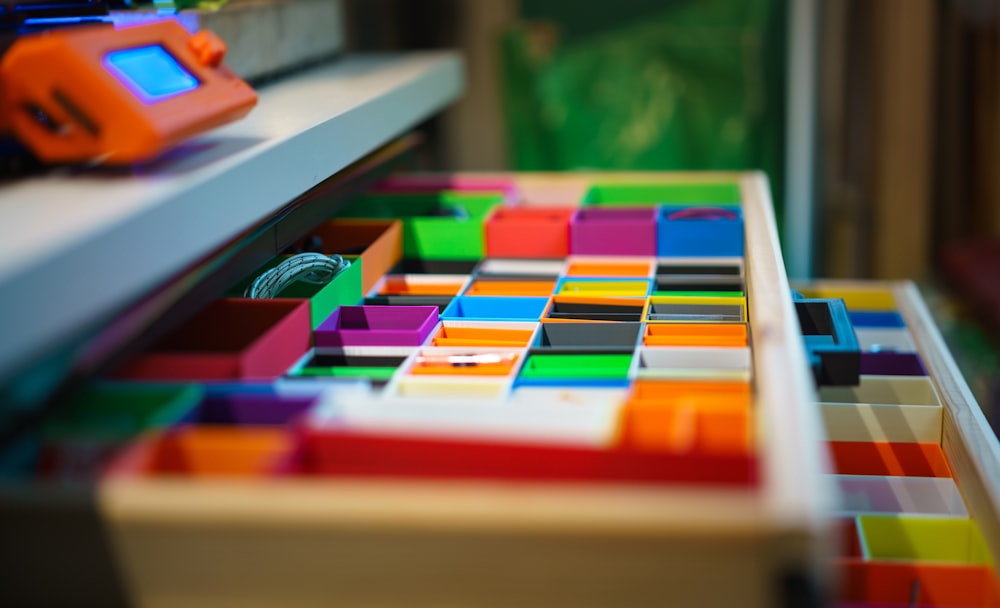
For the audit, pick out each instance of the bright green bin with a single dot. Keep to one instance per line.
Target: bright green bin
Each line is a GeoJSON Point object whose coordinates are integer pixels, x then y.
{"type": "Point", "coordinates": [577, 366]}
{"type": "Point", "coordinates": [372, 373]}
{"type": "Point", "coordinates": [343, 290]}
{"type": "Point", "coordinates": [116, 413]}
{"type": "Point", "coordinates": [698, 193]}
{"type": "Point", "coordinates": [446, 225]}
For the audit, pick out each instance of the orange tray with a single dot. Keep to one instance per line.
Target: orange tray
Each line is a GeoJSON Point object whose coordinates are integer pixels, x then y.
{"type": "Point", "coordinates": [510, 288]}
{"type": "Point", "coordinates": [481, 336]}
{"type": "Point", "coordinates": [695, 334]}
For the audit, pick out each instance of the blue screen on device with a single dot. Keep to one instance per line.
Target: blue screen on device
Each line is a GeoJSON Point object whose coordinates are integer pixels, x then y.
{"type": "Point", "coordinates": [151, 72]}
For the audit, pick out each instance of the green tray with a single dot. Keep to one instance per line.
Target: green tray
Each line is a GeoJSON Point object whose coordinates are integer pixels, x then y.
{"type": "Point", "coordinates": [118, 412]}
{"type": "Point", "coordinates": [593, 366]}
{"type": "Point", "coordinates": [446, 225]}
{"type": "Point", "coordinates": [707, 193]}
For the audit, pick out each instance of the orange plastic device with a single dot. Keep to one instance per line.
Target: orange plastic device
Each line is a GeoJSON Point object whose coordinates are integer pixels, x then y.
{"type": "Point", "coordinates": [116, 95]}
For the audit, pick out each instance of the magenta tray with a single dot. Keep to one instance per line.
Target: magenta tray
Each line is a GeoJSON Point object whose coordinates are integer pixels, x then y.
{"type": "Point", "coordinates": [377, 326]}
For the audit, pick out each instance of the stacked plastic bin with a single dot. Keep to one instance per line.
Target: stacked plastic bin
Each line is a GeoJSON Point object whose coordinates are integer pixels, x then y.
{"type": "Point", "coordinates": [908, 539]}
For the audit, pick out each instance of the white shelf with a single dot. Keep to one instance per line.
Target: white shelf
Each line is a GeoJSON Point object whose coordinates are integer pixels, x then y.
{"type": "Point", "coordinates": [75, 246]}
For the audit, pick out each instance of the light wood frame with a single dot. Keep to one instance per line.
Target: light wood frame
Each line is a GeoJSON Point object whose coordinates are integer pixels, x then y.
{"type": "Point", "coordinates": [432, 543]}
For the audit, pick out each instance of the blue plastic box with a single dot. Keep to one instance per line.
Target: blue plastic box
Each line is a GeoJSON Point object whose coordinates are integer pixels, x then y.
{"type": "Point", "coordinates": [701, 231]}
{"type": "Point", "coordinates": [876, 318]}
{"type": "Point", "coordinates": [489, 308]}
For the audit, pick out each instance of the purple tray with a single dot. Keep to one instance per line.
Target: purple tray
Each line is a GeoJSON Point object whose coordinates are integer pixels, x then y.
{"type": "Point", "coordinates": [613, 231]}
{"type": "Point", "coordinates": [250, 409]}
{"type": "Point", "coordinates": [377, 326]}
{"type": "Point", "coordinates": [892, 364]}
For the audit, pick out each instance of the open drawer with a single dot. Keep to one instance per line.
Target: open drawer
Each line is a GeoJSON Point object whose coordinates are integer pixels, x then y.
{"type": "Point", "coordinates": [590, 505]}
{"type": "Point", "coordinates": [547, 468]}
